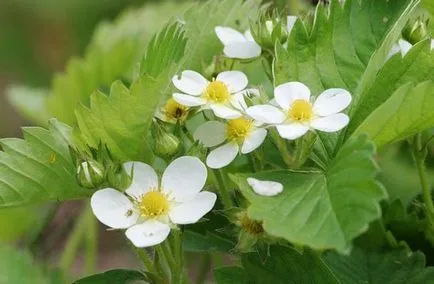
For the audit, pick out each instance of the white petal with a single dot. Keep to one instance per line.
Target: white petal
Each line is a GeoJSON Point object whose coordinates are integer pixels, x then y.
{"type": "Point", "coordinates": [331, 101]}
{"type": "Point", "coordinates": [235, 80]}
{"type": "Point", "coordinates": [242, 50]}
{"type": "Point", "coordinates": [254, 140]}
{"type": "Point", "coordinates": [394, 50]}
{"type": "Point", "coordinates": [148, 234]}
{"type": "Point", "coordinates": [188, 100]}
{"type": "Point", "coordinates": [286, 93]}
{"type": "Point", "coordinates": [292, 131]}
{"type": "Point", "coordinates": [191, 211]}
{"type": "Point", "coordinates": [266, 114]}
{"type": "Point", "coordinates": [290, 22]}
{"type": "Point", "coordinates": [228, 35]}
{"type": "Point", "coordinates": [184, 178]}
{"type": "Point", "coordinates": [265, 188]}
{"type": "Point", "coordinates": [404, 46]}
{"type": "Point", "coordinates": [432, 44]}
{"type": "Point", "coordinates": [211, 133]}
{"type": "Point", "coordinates": [238, 101]}
{"type": "Point", "coordinates": [112, 208]}
{"type": "Point", "coordinates": [144, 178]}
{"type": "Point", "coordinates": [330, 123]}
{"type": "Point", "coordinates": [190, 82]}
{"type": "Point", "coordinates": [248, 35]}
{"type": "Point", "coordinates": [225, 112]}
{"type": "Point", "coordinates": [222, 156]}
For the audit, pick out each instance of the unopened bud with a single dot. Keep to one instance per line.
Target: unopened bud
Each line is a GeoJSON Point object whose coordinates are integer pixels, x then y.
{"type": "Point", "coordinates": [118, 178]}
{"type": "Point", "coordinates": [415, 31]}
{"type": "Point", "coordinates": [269, 30]}
{"type": "Point", "coordinates": [90, 174]}
{"type": "Point", "coordinates": [166, 145]}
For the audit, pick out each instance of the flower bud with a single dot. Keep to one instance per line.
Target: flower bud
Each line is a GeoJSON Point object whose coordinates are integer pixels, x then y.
{"type": "Point", "coordinates": [117, 177]}
{"type": "Point", "coordinates": [269, 30]}
{"type": "Point", "coordinates": [251, 232]}
{"type": "Point", "coordinates": [90, 174]}
{"type": "Point", "coordinates": [415, 31]}
{"type": "Point", "coordinates": [166, 145]}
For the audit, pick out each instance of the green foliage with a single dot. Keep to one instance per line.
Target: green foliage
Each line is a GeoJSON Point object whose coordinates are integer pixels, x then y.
{"type": "Point", "coordinates": [287, 265]}
{"type": "Point", "coordinates": [339, 51]}
{"type": "Point", "coordinates": [19, 267]}
{"type": "Point", "coordinates": [37, 168]}
{"type": "Point", "coordinates": [393, 266]}
{"type": "Point", "coordinates": [321, 210]}
{"type": "Point", "coordinates": [121, 276]}
{"type": "Point", "coordinates": [200, 22]}
{"type": "Point", "coordinates": [195, 242]}
{"type": "Point", "coordinates": [407, 112]}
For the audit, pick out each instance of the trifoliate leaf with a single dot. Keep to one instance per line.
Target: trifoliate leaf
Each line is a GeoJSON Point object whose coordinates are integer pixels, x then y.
{"type": "Point", "coordinates": [37, 168]}
{"type": "Point", "coordinates": [407, 112]}
{"type": "Point", "coordinates": [340, 51]}
{"type": "Point", "coordinates": [392, 266]}
{"type": "Point", "coordinates": [321, 209]}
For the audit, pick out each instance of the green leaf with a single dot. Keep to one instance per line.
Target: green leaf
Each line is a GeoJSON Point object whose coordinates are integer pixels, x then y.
{"type": "Point", "coordinates": [392, 266]}
{"type": "Point", "coordinates": [37, 169]}
{"type": "Point", "coordinates": [407, 112]}
{"type": "Point", "coordinates": [165, 47]}
{"type": "Point", "coordinates": [19, 267]}
{"type": "Point", "coordinates": [114, 53]}
{"type": "Point", "coordinates": [321, 209]}
{"type": "Point", "coordinates": [120, 276]}
{"type": "Point", "coordinates": [195, 242]}
{"type": "Point", "coordinates": [200, 21]}
{"type": "Point", "coordinates": [284, 265]}
{"type": "Point", "coordinates": [345, 48]}
{"type": "Point", "coordinates": [416, 67]}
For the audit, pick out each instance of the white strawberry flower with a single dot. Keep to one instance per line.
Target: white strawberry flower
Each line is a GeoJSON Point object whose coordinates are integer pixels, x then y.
{"type": "Point", "coordinates": [236, 44]}
{"type": "Point", "coordinates": [222, 95]}
{"type": "Point", "coordinates": [241, 135]}
{"type": "Point", "coordinates": [149, 209]}
{"type": "Point", "coordinates": [294, 113]}
{"type": "Point", "coordinates": [265, 187]}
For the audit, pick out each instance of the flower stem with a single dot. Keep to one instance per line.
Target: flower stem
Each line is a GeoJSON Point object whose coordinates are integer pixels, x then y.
{"type": "Point", "coordinates": [223, 188]}
{"type": "Point", "coordinates": [419, 155]}
{"type": "Point", "coordinates": [281, 145]}
{"type": "Point", "coordinates": [146, 259]}
{"type": "Point", "coordinates": [178, 254]}
{"type": "Point", "coordinates": [91, 245]}
{"type": "Point", "coordinates": [204, 268]}
{"type": "Point", "coordinates": [73, 242]}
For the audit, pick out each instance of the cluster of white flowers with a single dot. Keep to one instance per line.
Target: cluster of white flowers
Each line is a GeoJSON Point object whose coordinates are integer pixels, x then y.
{"type": "Point", "coordinates": [148, 210]}
{"type": "Point", "coordinates": [242, 129]}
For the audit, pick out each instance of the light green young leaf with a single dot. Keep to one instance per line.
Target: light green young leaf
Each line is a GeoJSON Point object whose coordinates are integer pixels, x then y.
{"type": "Point", "coordinates": [393, 266]}
{"type": "Point", "coordinates": [345, 48]}
{"type": "Point", "coordinates": [37, 169]}
{"type": "Point", "coordinates": [121, 120]}
{"type": "Point", "coordinates": [115, 51]}
{"type": "Point", "coordinates": [321, 210]}
{"type": "Point", "coordinates": [417, 66]}
{"type": "Point", "coordinates": [19, 267]}
{"type": "Point", "coordinates": [407, 112]}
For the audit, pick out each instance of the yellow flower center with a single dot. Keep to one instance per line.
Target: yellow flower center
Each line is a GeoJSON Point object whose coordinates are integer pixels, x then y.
{"type": "Point", "coordinates": [300, 111]}
{"type": "Point", "coordinates": [175, 111]}
{"type": "Point", "coordinates": [253, 227]}
{"type": "Point", "coordinates": [238, 129]}
{"type": "Point", "coordinates": [153, 204]}
{"type": "Point", "coordinates": [217, 92]}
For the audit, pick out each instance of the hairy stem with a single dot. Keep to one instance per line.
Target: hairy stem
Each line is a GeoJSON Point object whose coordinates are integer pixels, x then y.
{"type": "Point", "coordinates": [419, 155]}
{"type": "Point", "coordinates": [283, 149]}
{"type": "Point", "coordinates": [223, 188]}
